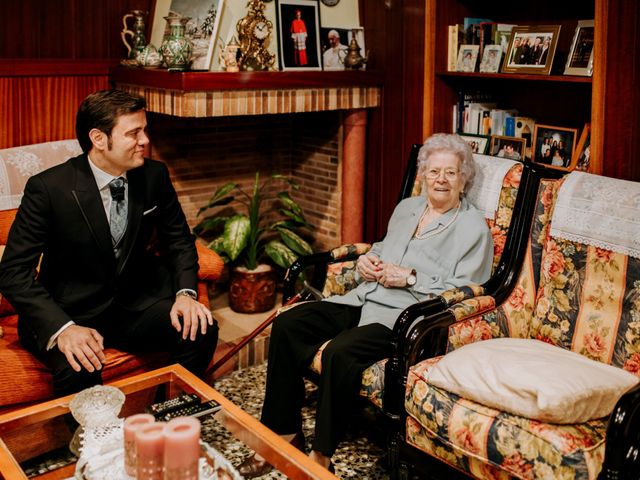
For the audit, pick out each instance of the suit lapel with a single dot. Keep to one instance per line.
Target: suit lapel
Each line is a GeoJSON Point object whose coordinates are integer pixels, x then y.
{"type": "Point", "coordinates": [85, 191]}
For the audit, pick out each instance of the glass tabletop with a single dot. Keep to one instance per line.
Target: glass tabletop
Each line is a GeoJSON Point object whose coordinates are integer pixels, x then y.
{"type": "Point", "coordinates": [46, 428]}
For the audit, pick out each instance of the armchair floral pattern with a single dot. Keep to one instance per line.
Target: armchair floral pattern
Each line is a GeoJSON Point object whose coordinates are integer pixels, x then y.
{"type": "Point", "coordinates": [575, 296]}
{"type": "Point", "coordinates": [341, 276]}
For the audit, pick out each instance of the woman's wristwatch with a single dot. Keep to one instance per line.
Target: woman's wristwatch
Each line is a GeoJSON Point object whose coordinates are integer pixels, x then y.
{"type": "Point", "coordinates": [187, 292]}
{"type": "Point", "coordinates": [412, 278]}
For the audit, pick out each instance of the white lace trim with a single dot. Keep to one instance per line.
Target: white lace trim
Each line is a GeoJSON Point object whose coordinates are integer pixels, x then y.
{"type": "Point", "coordinates": [484, 194]}
{"type": "Point", "coordinates": [599, 211]}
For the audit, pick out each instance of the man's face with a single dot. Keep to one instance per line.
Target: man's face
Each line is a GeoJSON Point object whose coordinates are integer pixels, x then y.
{"type": "Point", "coordinates": [125, 148]}
{"type": "Point", "coordinates": [334, 41]}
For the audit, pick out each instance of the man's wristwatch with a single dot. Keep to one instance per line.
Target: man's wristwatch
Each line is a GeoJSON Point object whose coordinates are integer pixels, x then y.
{"type": "Point", "coordinates": [412, 278]}
{"type": "Point", "coordinates": [188, 293]}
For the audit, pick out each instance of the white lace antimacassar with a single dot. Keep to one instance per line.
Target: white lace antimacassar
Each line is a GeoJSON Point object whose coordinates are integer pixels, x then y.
{"type": "Point", "coordinates": [101, 440]}
{"type": "Point", "coordinates": [599, 211]}
{"type": "Point", "coordinates": [484, 193]}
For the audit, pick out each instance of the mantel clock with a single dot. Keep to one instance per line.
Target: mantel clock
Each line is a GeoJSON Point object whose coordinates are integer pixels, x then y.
{"type": "Point", "coordinates": [254, 33]}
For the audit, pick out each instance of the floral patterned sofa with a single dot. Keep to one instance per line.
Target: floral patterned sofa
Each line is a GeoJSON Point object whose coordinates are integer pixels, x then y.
{"type": "Point", "coordinates": [494, 192]}
{"type": "Point", "coordinates": [579, 290]}
{"type": "Point", "coordinates": [23, 379]}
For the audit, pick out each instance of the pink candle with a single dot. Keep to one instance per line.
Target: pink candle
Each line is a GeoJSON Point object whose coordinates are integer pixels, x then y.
{"type": "Point", "coordinates": [131, 424]}
{"type": "Point", "coordinates": [182, 449]}
{"type": "Point", "coordinates": [149, 451]}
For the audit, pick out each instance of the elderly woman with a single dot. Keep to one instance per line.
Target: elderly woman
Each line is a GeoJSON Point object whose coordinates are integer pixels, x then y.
{"type": "Point", "coordinates": [434, 242]}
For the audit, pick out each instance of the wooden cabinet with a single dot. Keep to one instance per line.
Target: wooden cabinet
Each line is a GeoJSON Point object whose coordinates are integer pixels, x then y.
{"type": "Point", "coordinates": [556, 99]}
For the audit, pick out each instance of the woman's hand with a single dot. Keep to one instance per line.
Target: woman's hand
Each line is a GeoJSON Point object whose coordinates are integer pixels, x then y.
{"type": "Point", "coordinates": [393, 275]}
{"type": "Point", "coordinates": [368, 268]}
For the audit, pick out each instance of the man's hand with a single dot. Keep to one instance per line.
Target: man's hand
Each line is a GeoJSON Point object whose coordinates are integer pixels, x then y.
{"type": "Point", "coordinates": [393, 275]}
{"type": "Point", "coordinates": [368, 267]}
{"type": "Point", "coordinates": [83, 347]}
{"type": "Point", "coordinates": [193, 314]}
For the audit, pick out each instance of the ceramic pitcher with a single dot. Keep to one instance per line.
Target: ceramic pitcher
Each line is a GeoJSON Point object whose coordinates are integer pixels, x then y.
{"type": "Point", "coordinates": [177, 49]}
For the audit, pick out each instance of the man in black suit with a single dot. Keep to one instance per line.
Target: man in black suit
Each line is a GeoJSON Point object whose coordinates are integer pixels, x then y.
{"type": "Point", "coordinates": [118, 263]}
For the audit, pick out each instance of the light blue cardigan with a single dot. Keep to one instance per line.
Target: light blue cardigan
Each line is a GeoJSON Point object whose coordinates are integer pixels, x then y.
{"type": "Point", "coordinates": [459, 255]}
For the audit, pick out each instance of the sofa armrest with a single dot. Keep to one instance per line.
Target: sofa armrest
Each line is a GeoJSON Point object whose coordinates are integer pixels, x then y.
{"type": "Point", "coordinates": [210, 263]}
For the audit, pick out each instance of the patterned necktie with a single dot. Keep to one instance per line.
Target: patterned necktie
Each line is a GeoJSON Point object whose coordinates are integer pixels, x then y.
{"type": "Point", "coordinates": [118, 213]}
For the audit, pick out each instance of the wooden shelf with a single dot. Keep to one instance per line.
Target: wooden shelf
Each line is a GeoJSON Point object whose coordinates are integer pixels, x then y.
{"type": "Point", "coordinates": [205, 81]}
{"type": "Point", "coordinates": [517, 76]}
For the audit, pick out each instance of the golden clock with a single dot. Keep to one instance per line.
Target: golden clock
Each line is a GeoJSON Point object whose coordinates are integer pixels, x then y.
{"type": "Point", "coordinates": [254, 34]}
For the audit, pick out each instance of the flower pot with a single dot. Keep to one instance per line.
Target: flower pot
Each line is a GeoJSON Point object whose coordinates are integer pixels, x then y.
{"type": "Point", "coordinates": [252, 291]}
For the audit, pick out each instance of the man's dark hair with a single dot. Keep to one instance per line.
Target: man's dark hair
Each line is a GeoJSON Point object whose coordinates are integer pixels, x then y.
{"type": "Point", "coordinates": [101, 110]}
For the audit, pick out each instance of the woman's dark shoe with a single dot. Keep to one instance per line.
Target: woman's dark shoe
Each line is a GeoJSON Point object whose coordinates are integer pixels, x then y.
{"type": "Point", "coordinates": [252, 467]}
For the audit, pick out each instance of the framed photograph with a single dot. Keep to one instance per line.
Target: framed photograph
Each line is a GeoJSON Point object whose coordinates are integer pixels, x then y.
{"type": "Point", "coordinates": [582, 154]}
{"type": "Point", "coordinates": [467, 58]}
{"type": "Point", "coordinates": [554, 146]}
{"type": "Point", "coordinates": [202, 28]}
{"type": "Point", "coordinates": [580, 59]}
{"type": "Point", "coordinates": [335, 42]}
{"type": "Point", "coordinates": [478, 143]}
{"type": "Point", "coordinates": [507, 147]}
{"type": "Point", "coordinates": [491, 56]}
{"type": "Point", "coordinates": [531, 49]}
{"type": "Point", "coordinates": [299, 34]}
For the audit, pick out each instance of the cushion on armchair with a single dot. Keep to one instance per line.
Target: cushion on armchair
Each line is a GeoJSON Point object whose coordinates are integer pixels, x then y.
{"type": "Point", "coordinates": [532, 379]}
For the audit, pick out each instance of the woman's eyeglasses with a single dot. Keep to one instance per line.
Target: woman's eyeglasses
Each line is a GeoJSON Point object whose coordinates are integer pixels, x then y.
{"type": "Point", "coordinates": [449, 173]}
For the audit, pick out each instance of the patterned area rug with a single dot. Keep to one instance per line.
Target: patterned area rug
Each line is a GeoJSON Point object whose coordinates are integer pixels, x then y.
{"type": "Point", "coordinates": [357, 457]}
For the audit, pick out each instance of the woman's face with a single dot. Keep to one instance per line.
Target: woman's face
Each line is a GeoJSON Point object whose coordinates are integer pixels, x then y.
{"type": "Point", "coordinates": [443, 180]}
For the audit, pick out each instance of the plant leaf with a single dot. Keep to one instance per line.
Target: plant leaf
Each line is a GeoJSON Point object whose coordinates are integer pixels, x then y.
{"type": "Point", "coordinates": [294, 216]}
{"type": "Point", "coordinates": [295, 242]}
{"type": "Point", "coordinates": [280, 253]}
{"type": "Point", "coordinates": [209, 224]}
{"type": "Point", "coordinates": [236, 235]}
{"type": "Point", "coordinates": [290, 203]}
{"type": "Point", "coordinates": [217, 246]}
{"type": "Point", "coordinates": [292, 183]}
{"type": "Point", "coordinates": [220, 197]}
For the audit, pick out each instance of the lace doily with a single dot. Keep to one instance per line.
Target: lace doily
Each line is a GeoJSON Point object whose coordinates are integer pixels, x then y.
{"type": "Point", "coordinates": [101, 440]}
{"type": "Point", "coordinates": [484, 194]}
{"type": "Point", "coordinates": [599, 211]}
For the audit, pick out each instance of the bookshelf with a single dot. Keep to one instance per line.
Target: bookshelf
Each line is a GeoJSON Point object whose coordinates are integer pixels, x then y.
{"type": "Point", "coordinates": [556, 99]}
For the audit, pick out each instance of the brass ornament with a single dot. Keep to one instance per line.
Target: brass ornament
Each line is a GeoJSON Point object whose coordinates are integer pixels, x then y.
{"type": "Point", "coordinates": [254, 34]}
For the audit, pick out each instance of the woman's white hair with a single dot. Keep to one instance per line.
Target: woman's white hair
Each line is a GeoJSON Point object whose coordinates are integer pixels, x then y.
{"type": "Point", "coordinates": [449, 143]}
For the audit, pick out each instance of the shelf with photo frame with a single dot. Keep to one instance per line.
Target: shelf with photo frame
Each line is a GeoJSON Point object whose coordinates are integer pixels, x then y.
{"type": "Point", "coordinates": [554, 99]}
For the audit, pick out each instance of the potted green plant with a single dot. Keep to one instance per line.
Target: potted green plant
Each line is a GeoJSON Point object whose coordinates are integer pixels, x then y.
{"type": "Point", "coordinates": [246, 240]}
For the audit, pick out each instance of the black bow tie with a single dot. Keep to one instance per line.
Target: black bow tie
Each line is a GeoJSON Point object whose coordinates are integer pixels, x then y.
{"type": "Point", "coordinates": [116, 186]}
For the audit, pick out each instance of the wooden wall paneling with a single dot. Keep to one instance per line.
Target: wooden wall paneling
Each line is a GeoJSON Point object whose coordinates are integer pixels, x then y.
{"type": "Point", "coordinates": [621, 134]}
{"type": "Point", "coordinates": [395, 38]}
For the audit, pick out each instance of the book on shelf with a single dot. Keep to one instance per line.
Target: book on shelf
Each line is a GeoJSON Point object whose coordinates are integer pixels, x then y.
{"type": "Point", "coordinates": [465, 99]}
{"type": "Point", "coordinates": [499, 118]}
{"type": "Point", "coordinates": [456, 38]}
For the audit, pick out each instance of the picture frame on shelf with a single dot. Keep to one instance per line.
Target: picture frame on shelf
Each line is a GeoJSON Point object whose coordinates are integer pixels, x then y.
{"type": "Point", "coordinates": [554, 146]}
{"type": "Point", "coordinates": [334, 44]}
{"type": "Point", "coordinates": [582, 153]}
{"type": "Point", "coordinates": [299, 34]}
{"type": "Point", "coordinates": [467, 58]}
{"type": "Point", "coordinates": [478, 143]}
{"type": "Point", "coordinates": [202, 28]}
{"type": "Point", "coordinates": [333, 54]}
{"type": "Point", "coordinates": [491, 56]}
{"type": "Point", "coordinates": [580, 59]}
{"type": "Point", "coordinates": [531, 49]}
{"type": "Point", "coordinates": [507, 147]}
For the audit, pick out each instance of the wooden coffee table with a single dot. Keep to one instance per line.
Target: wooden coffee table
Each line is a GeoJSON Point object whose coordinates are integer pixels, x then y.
{"type": "Point", "coordinates": [34, 430]}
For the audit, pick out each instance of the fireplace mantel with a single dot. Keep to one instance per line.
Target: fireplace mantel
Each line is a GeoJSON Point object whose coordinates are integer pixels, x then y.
{"type": "Point", "coordinates": [222, 94]}
{"type": "Point", "coordinates": [217, 94]}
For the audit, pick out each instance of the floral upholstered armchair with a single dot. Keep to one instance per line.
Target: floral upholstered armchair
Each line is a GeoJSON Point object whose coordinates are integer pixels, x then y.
{"type": "Point", "coordinates": [494, 193]}
{"type": "Point", "coordinates": [549, 414]}
{"type": "Point", "coordinates": [23, 378]}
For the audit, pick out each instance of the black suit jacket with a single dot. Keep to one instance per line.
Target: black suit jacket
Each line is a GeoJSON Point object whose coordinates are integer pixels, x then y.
{"type": "Point", "coordinates": [62, 219]}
